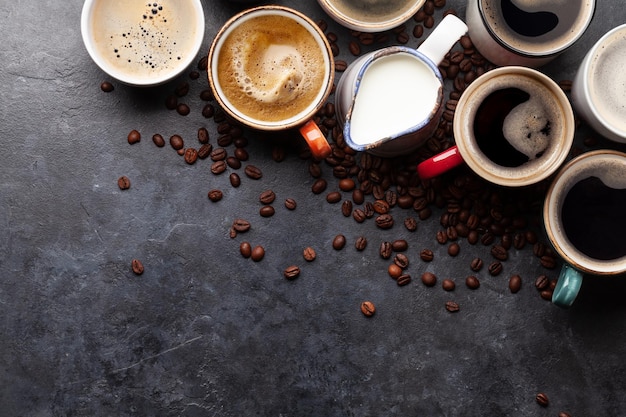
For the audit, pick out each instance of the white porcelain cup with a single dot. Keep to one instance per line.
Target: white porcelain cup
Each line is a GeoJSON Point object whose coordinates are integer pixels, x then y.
{"type": "Point", "coordinates": [143, 43]}
{"type": "Point", "coordinates": [389, 101]}
{"type": "Point", "coordinates": [528, 33]}
{"type": "Point", "coordinates": [599, 88]}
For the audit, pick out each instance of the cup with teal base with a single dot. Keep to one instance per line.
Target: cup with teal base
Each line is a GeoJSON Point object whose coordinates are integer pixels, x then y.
{"type": "Point", "coordinates": [584, 216]}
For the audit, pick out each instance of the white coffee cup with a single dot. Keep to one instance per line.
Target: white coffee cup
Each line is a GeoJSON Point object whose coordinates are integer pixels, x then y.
{"type": "Point", "coordinates": [371, 15]}
{"type": "Point", "coordinates": [389, 101]}
{"type": "Point", "coordinates": [528, 33]}
{"type": "Point", "coordinates": [141, 44]}
{"type": "Point", "coordinates": [599, 88]}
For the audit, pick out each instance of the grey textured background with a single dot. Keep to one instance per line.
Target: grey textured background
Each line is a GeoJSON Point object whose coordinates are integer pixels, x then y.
{"type": "Point", "coordinates": [204, 332]}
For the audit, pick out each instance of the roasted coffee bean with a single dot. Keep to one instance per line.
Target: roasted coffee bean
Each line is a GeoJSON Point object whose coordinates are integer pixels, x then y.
{"type": "Point", "coordinates": [290, 204]}
{"type": "Point", "coordinates": [381, 207]}
{"type": "Point", "coordinates": [454, 249]}
{"type": "Point", "coordinates": [354, 48]}
{"type": "Point", "coordinates": [133, 137]}
{"type": "Point", "coordinates": [403, 280]}
{"type": "Point", "coordinates": [542, 282]}
{"type": "Point", "coordinates": [427, 255]}
{"type": "Point", "coordinates": [452, 306]}
{"type": "Point", "coordinates": [137, 266]}
{"type": "Point", "coordinates": [399, 245]}
{"type": "Point", "coordinates": [218, 167]}
{"type": "Point", "coordinates": [346, 208]}
{"type": "Point", "coordinates": [548, 261]}
{"type": "Point", "coordinates": [278, 154]}
{"type": "Point", "coordinates": [177, 142]}
{"type": "Point", "coordinates": [203, 63]}
{"type": "Point", "coordinates": [448, 285]}
{"type": "Point", "coordinates": [267, 197]}
{"type": "Point", "coordinates": [495, 268]}
{"type": "Point", "coordinates": [291, 272]}
{"type": "Point", "coordinates": [245, 249]}
{"type": "Point", "coordinates": [319, 186]}
{"type": "Point", "coordinates": [360, 243]}
{"type": "Point", "coordinates": [203, 135]}
{"type": "Point", "coordinates": [368, 209]}
{"type": "Point", "coordinates": [385, 250]}
{"type": "Point", "coordinates": [564, 414]}
{"type": "Point", "coordinates": [546, 294]}
{"type": "Point", "coordinates": [106, 87]}
{"type": "Point", "coordinates": [339, 242]}
{"type": "Point", "coordinates": [123, 182]}
{"type": "Point", "coordinates": [258, 253]}
{"type": "Point", "coordinates": [384, 221]}
{"type": "Point", "coordinates": [183, 109]}
{"type": "Point", "coordinates": [158, 140]}
{"type": "Point", "coordinates": [206, 95]}
{"type": "Point", "coordinates": [182, 89]}
{"type": "Point", "coordinates": [266, 211]}
{"type": "Point", "coordinates": [333, 197]}
{"type": "Point", "coordinates": [411, 224]}
{"type": "Point", "coordinates": [309, 254]}
{"type": "Point", "coordinates": [253, 172]}
{"type": "Point", "coordinates": [515, 283]}
{"type": "Point", "coordinates": [542, 399]}
{"type": "Point", "coordinates": [472, 282]}
{"type": "Point", "coordinates": [367, 308]}
{"type": "Point", "coordinates": [442, 236]}
{"type": "Point", "coordinates": [418, 31]}
{"type": "Point", "coordinates": [205, 151]}
{"type": "Point", "coordinates": [402, 38]}
{"type": "Point", "coordinates": [171, 102]}
{"type": "Point", "coordinates": [233, 162]}
{"type": "Point", "coordinates": [215, 195]}
{"type": "Point", "coordinates": [429, 279]}
{"type": "Point", "coordinates": [358, 197]}
{"type": "Point", "coordinates": [241, 225]}
{"type": "Point", "coordinates": [208, 111]}
{"type": "Point", "coordinates": [191, 156]}
{"type": "Point", "coordinates": [181, 151]}
{"type": "Point", "coordinates": [499, 252]}
{"type": "Point", "coordinates": [315, 170]}
{"type": "Point", "coordinates": [394, 270]}
{"type": "Point", "coordinates": [401, 260]}
{"type": "Point", "coordinates": [359, 215]}
{"type": "Point", "coordinates": [476, 264]}
{"type": "Point", "coordinates": [340, 65]}
{"type": "Point", "coordinates": [219, 154]}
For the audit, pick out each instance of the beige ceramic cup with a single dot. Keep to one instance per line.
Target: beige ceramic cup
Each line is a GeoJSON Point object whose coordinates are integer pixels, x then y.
{"type": "Point", "coordinates": [114, 34]}
{"type": "Point", "coordinates": [371, 15]}
{"type": "Point", "coordinates": [513, 126]}
{"type": "Point", "coordinates": [271, 68]}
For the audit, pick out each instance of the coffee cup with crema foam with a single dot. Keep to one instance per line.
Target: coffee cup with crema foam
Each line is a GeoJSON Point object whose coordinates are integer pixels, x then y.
{"type": "Point", "coordinates": [271, 68]}
{"type": "Point", "coordinates": [583, 216]}
{"type": "Point", "coordinates": [599, 88]}
{"type": "Point", "coordinates": [389, 101]}
{"type": "Point", "coordinates": [528, 33]}
{"type": "Point", "coordinates": [371, 15]}
{"type": "Point", "coordinates": [513, 126]}
{"type": "Point", "coordinates": [143, 43]}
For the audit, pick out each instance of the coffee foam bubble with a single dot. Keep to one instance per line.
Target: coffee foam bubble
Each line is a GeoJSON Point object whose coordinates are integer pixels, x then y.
{"type": "Point", "coordinates": [528, 127]}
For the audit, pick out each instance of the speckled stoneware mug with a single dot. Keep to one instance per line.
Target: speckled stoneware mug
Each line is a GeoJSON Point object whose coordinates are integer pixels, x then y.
{"type": "Point", "coordinates": [389, 101]}
{"type": "Point", "coordinates": [584, 219]}
{"type": "Point", "coordinates": [526, 32]}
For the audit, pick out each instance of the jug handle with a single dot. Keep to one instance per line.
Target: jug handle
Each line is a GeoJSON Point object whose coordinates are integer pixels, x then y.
{"type": "Point", "coordinates": [567, 286]}
{"type": "Point", "coordinates": [443, 38]}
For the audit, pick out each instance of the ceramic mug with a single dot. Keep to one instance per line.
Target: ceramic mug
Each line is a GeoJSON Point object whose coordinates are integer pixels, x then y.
{"type": "Point", "coordinates": [513, 126]}
{"type": "Point", "coordinates": [389, 101]}
{"type": "Point", "coordinates": [599, 88]}
{"type": "Point", "coordinates": [526, 32]}
{"type": "Point", "coordinates": [371, 16]}
{"type": "Point", "coordinates": [584, 219]}
{"type": "Point", "coordinates": [141, 44]}
{"type": "Point", "coordinates": [271, 68]}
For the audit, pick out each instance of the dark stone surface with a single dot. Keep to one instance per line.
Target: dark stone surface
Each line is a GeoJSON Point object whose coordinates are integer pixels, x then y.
{"type": "Point", "coordinates": [205, 332]}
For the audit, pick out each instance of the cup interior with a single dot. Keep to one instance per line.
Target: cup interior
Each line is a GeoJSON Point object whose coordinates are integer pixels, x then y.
{"type": "Point", "coordinates": [143, 76]}
{"type": "Point", "coordinates": [358, 17]}
{"type": "Point", "coordinates": [305, 22]}
{"type": "Point", "coordinates": [535, 169]}
{"type": "Point", "coordinates": [610, 167]}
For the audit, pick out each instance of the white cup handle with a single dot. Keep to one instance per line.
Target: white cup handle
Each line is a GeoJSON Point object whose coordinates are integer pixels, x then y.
{"type": "Point", "coordinates": [443, 38]}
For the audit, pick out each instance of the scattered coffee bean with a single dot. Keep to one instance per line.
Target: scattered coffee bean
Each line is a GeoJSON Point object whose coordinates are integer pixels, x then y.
{"type": "Point", "coordinates": [361, 243]}
{"type": "Point", "coordinates": [452, 306]}
{"type": "Point", "coordinates": [215, 195]}
{"type": "Point", "coordinates": [394, 270]}
{"type": "Point", "coordinates": [137, 266]}
{"type": "Point", "coordinates": [564, 414]}
{"type": "Point", "coordinates": [258, 253]}
{"type": "Point", "coordinates": [472, 282]}
{"type": "Point", "coordinates": [134, 137]}
{"type": "Point", "coordinates": [203, 135]}
{"type": "Point", "coordinates": [291, 272]}
{"type": "Point", "coordinates": [191, 156]}
{"type": "Point", "coordinates": [542, 399]}
{"type": "Point", "coordinates": [183, 109]}
{"type": "Point", "coordinates": [319, 186]}
{"type": "Point", "coordinates": [267, 211]}
{"type": "Point", "coordinates": [245, 249]}
{"type": "Point", "coordinates": [290, 204]}
{"type": "Point", "coordinates": [542, 282]}
{"type": "Point", "coordinates": [253, 172]}
{"type": "Point", "coordinates": [476, 264]}
{"type": "Point", "coordinates": [233, 162]}
{"type": "Point", "coordinates": [384, 221]}
{"type": "Point", "coordinates": [448, 285]}
{"type": "Point", "coordinates": [205, 151]}
{"type": "Point", "coordinates": [427, 255]}
{"type": "Point", "coordinates": [158, 140]}
{"type": "Point", "coordinates": [339, 242]}
{"type": "Point", "coordinates": [367, 308]}
{"type": "Point", "coordinates": [346, 208]}
{"type": "Point", "coordinates": [177, 142]}
{"type": "Point", "coordinates": [241, 225]}
{"type": "Point", "coordinates": [123, 182]}
{"type": "Point", "coordinates": [548, 261]}
{"type": "Point", "coordinates": [454, 249]}
{"type": "Point", "coordinates": [359, 215]}
{"type": "Point", "coordinates": [341, 65]}
{"type": "Point", "coordinates": [411, 224]}
{"type": "Point", "coordinates": [218, 167]}
{"type": "Point", "coordinates": [208, 111]}
{"type": "Point", "coordinates": [385, 250]}
{"type": "Point", "coordinates": [333, 197]}
{"type": "Point", "coordinates": [106, 86]}
{"type": "Point", "coordinates": [403, 280]}
{"type": "Point", "coordinates": [267, 197]}
{"type": "Point", "coordinates": [515, 283]}
{"type": "Point", "coordinates": [495, 268]}
{"type": "Point", "coordinates": [399, 245]}
{"type": "Point", "coordinates": [429, 279]}
{"type": "Point", "coordinates": [401, 260]}
{"type": "Point", "coordinates": [171, 102]}
{"type": "Point", "coordinates": [500, 253]}
{"type": "Point", "coordinates": [309, 254]}
{"type": "Point", "coordinates": [346, 184]}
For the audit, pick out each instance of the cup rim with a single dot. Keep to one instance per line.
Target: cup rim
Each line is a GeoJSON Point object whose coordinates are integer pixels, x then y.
{"type": "Point", "coordinates": [299, 118]}
{"type": "Point", "coordinates": [535, 55]}
{"type": "Point", "coordinates": [88, 41]}
{"type": "Point", "coordinates": [586, 85]}
{"type": "Point", "coordinates": [554, 229]}
{"type": "Point", "coordinates": [486, 168]}
{"type": "Point", "coordinates": [371, 27]}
